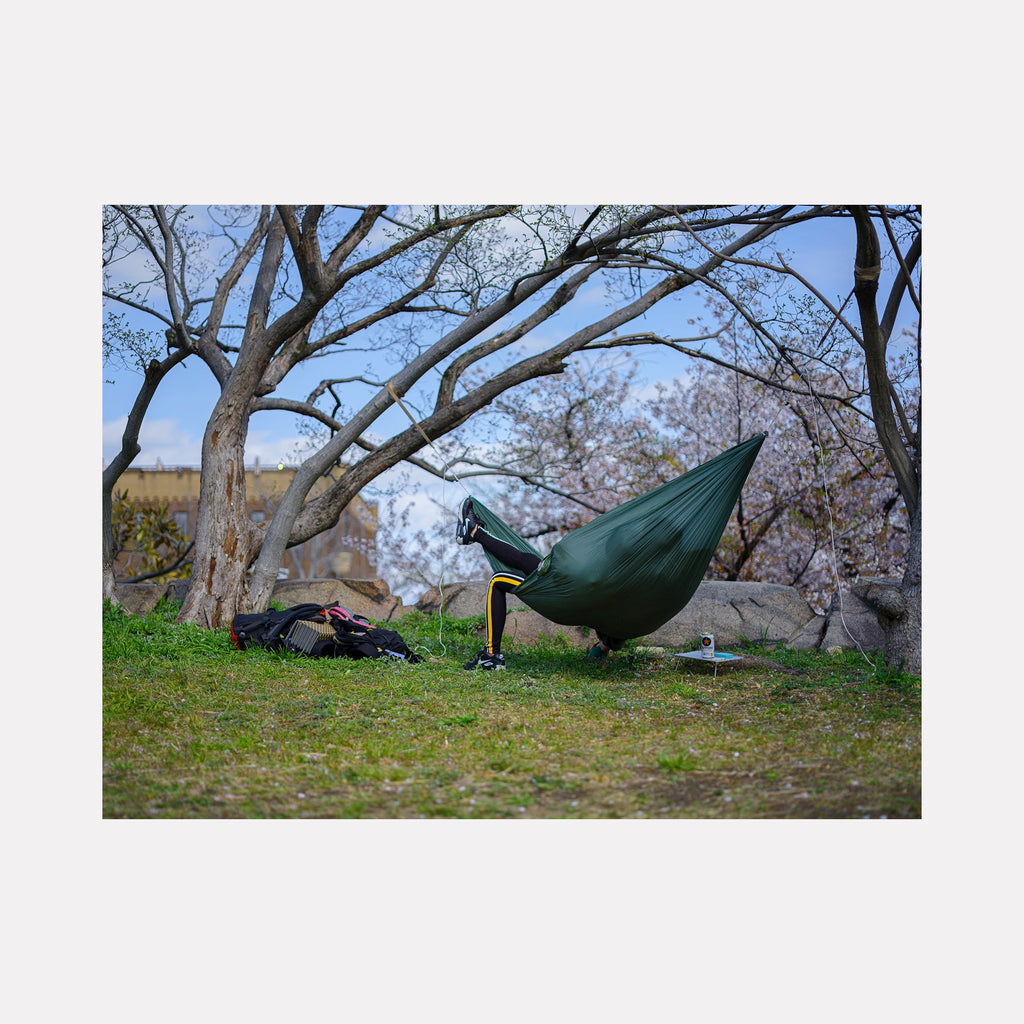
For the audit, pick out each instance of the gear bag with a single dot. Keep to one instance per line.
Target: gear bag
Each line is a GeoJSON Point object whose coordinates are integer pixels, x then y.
{"type": "Point", "coordinates": [332, 632]}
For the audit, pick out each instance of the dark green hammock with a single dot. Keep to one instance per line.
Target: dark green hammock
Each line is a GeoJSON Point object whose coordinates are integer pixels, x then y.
{"type": "Point", "coordinates": [628, 571]}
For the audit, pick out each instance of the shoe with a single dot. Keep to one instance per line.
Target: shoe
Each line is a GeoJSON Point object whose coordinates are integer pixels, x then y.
{"type": "Point", "coordinates": [488, 662]}
{"type": "Point", "coordinates": [597, 652]}
{"type": "Point", "coordinates": [467, 521]}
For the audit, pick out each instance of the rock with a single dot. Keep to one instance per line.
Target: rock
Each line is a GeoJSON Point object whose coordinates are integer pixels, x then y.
{"type": "Point", "coordinates": [139, 598]}
{"type": "Point", "coordinates": [809, 638]}
{"type": "Point", "coordinates": [853, 620]}
{"type": "Point", "coordinates": [460, 600]}
{"type": "Point", "coordinates": [734, 612]}
{"type": "Point", "coordinates": [738, 612]}
{"type": "Point", "coordinates": [883, 595]}
{"type": "Point", "coordinates": [177, 590]}
{"type": "Point", "coordinates": [371, 598]}
{"type": "Point", "coordinates": [466, 599]}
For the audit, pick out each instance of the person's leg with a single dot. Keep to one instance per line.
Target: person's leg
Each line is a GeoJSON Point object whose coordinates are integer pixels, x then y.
{"type": "Point", "coordinates": [604, 646]}
{"type": "Point", "coordinates": [501, 583]}
{"type": "Point", "coordinates": [522, 561]}
{"type": "Point", "coordinates": [470, 530]}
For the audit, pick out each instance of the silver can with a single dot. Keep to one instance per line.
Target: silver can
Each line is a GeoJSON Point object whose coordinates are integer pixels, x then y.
{"type": "Point", "coordinates": [707, 646]}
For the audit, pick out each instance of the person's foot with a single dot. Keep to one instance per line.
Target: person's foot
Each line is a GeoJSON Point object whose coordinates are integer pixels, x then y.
{"type": "Point", "coordinates": [467, 524]}
{"type": "Point", "coordinates": [488, 662]}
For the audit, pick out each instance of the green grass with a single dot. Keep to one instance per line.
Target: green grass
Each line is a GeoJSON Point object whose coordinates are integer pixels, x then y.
{"type": "Point", "coordinates": [193, 728]}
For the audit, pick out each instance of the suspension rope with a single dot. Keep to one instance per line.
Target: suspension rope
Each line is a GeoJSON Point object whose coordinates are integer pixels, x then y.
{"type": "Point", "coordinates": [447, 465]}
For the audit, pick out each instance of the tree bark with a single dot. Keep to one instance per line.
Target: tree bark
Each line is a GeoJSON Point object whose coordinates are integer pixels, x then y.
{"type": "Point", "coordinates": [226, 539]}
{"type": "Point", "coordinates": [899, 610]}
{"type": "Point", "coordinates": [875, 341]}
{"type": "Point", "coordinates": [903, 635]}
{"type": "Point", "coordinates": [900, 619]}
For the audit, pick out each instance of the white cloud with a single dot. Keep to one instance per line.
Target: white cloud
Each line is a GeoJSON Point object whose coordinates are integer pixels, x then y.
{"type": "Point", "coordinates": [271, 448]}
{"type": "Point", "coordinates": [176, 445]}
{"type": "Point", "coordinates": [162, 439]}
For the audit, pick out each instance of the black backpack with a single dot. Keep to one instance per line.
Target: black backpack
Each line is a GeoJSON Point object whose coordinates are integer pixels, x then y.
{"type": "Point", "coordinates": [332, 632]}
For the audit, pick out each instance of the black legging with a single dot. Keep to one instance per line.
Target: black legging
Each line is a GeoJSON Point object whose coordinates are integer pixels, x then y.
{"type": "Point", "coordinates": [502, 583]}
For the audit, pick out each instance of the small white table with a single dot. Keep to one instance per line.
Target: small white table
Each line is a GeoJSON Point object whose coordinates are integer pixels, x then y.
{"type": "Point", "coordinates": [720, 658]}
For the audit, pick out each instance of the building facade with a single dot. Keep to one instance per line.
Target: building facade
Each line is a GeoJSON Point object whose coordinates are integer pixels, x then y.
{"type": "Point", "coordinates": [347, 551]}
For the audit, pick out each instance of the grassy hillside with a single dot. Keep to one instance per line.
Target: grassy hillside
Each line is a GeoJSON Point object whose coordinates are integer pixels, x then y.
{"type": "Point", "coordinates": [193, 728]}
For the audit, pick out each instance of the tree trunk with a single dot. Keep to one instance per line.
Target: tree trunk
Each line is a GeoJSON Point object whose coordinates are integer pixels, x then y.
{"type": "Point", "coordinates": [899, 609]}
{"type": "Point", "coordinates": [109, 593]}
{"type": "Point", "coordinates": [899, 612]}
{"type": "Point", "coordinates": [226, 539]}
{"type": "Point", "coordinates": [903, 632]}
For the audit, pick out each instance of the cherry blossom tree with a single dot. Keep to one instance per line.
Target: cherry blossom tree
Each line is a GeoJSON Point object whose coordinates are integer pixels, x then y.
{"type": "Point", "coordinates": [820, 504]}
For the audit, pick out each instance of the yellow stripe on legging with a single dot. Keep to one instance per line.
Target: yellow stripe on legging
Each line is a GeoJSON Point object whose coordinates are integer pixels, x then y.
{"type": "Point", "coordinates": [497, 578]}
